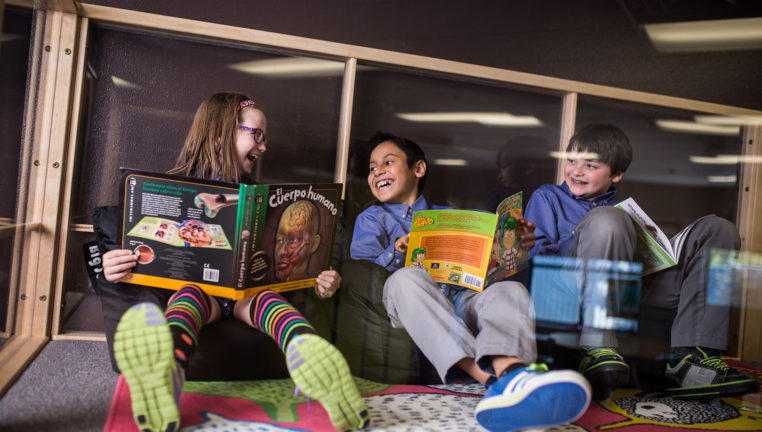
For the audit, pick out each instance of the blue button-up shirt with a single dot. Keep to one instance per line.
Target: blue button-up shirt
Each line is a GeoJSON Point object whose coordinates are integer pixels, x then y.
{"type": "Point", "coordinates": [379, 226]}
{"type": "Point", "coordinates": [557, 212]}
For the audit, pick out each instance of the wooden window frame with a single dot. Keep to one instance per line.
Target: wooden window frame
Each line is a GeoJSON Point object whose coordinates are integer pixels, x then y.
{"type": "Point", "coordinates": [57, 77]}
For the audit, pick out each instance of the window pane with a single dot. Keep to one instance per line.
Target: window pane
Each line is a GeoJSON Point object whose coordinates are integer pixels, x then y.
{"type": "Point", "coordinates": [142, 90]}
{"type": "Point", "coordinates": [675, 175]}
{"type": "Point", "coordinates": [14, 54]}
{"type": "Point", "coordinates": [462, 127]}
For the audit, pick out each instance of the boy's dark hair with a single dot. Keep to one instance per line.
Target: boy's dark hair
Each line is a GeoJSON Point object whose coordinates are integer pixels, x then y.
{"type": "Point", "coordinates": [608, 141]}
{"type": "Point", "coordinates": [413, 152]}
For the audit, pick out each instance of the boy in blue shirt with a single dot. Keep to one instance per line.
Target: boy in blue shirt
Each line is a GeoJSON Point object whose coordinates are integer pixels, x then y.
{"type": "Point", "coordinates": [489, 335]}
{"type": "Point", "coordinates": [577, 219]}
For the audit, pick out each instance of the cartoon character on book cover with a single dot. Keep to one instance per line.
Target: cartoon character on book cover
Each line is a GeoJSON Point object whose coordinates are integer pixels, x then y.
{"type": "Point", "coordinates": [507, 254]}
{"type": "Point", "coordinates": [506, 239]}
{"type": "Point", "coordinates": [419, 256]}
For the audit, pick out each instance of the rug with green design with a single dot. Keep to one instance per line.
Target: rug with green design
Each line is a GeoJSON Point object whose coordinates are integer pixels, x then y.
{"type": "Point", "coordinates": [270, 405]}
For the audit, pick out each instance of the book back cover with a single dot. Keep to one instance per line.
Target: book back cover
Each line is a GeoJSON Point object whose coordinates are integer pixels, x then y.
{"type": "Point", "coordinates": [452, 245]}
{"type": "Point", "coordinates": [183, 230]}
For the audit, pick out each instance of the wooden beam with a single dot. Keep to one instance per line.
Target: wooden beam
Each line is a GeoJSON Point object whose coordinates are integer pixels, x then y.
{"type": "Point", "coordinates": [345, 123]}
{"type": "Point", "coordinates": [568, 122]}
{"type": "Point", "coordinates": [81, 335]}
{"type": "Point", "coordinates": [750, 227]}
{"type": "Point", "coordinates": [65, 6]}
{"type": "Point", "coordinates": [371, 55]}
{"type": "Point", "coordinates": [69, 155]}
{"type": "Point", "coordinates": [17, 353]}
{"type": "Point", "coordinates": [7, 230]}
{"type": "Point", "coordinates": [17, 292]}
{"type": "Point", "coordinates": [52, 149]}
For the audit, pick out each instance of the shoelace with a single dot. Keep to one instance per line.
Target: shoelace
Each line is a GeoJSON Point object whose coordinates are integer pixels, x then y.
{"type": "Point", "coordinates": [714, 362]}
{"type": "Point", "coordinates": [601, 352]}
{"type": "Point", "coordinates": [538, 367]}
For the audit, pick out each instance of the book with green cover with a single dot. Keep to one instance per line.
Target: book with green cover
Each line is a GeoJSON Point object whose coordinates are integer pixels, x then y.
{"type": "Point", "coordinates": [654, 249]}
{"type": "Point", "coordinates": [231, 240]}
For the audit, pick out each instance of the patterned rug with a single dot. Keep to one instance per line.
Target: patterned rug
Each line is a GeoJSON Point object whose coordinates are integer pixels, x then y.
{"type": "Point", "coordinates": [269, 405]}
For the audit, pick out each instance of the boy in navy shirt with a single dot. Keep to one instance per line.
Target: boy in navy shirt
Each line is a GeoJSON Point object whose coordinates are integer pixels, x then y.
{"type": "Point", "coordinates": [577, 219]}
{"type": "Point", "coordinates": [489, 334]}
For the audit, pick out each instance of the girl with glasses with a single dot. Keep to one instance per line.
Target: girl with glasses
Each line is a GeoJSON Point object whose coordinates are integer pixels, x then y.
{"type": "Point", "coordinates": [153, 349]}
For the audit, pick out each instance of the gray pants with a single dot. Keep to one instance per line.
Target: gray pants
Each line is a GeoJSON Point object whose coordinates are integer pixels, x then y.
{"type": "Point", "coordinates": [678, 293]}
{"type": "Point", "coordinates": [464, 323]}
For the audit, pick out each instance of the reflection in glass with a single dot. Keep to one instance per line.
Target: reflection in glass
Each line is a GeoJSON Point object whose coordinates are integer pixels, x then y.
{"type": "Point", "coordinates": [469, 131]}
{"type": "Point", "coordinates": [731, 271]}
{"type": "Point", "coordinates": [14, 54]}
{"type": "Point", "coordinates": [140, 104]}
{"type": "Point", "coordinates": [675, 175]}
{"type": "Point", "coordinates": [141, 92]}
{"type": "Point", "coordinates": [569, 293]}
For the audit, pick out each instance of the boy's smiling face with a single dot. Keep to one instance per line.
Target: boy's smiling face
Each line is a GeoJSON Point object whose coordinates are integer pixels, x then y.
{"type": "Point", "coordinates": [390, 179]}
{"type": "Point", "coordinates": [588, 178]}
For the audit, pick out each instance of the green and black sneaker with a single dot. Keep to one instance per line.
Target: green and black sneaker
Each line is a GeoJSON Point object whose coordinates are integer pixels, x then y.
{"type": "Point", "coordinates": [702, 376]}
{"type": "Point", "coordinates": [605, 369]}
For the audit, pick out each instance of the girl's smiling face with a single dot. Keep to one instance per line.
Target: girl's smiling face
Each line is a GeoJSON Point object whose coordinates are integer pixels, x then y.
{"type": "Point", "coordinates": [248, 149]}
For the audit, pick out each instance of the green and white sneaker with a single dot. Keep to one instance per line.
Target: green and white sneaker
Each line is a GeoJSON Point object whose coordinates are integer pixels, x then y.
{"type": "Point", "coordinates": [320, 372]}
{"type": "Point", "coordinates": [702, 376]}
{"type": "Point", "coordinates": [143, 349]}
{"type": "Point", "coordinates": [605, 369]}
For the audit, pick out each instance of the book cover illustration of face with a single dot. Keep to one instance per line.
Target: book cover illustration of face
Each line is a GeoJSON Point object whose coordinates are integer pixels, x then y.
{"type": "Point", "coordinates": [297, 239]}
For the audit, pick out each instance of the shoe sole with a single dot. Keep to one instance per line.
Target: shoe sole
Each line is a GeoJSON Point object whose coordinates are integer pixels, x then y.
{"type": "Point", "coordinates": [143, 350]}
{"type": "Point", "coordinates": [319, 371]}
{"type": "Point", "coordinates": [570, 394]}
{"type": "Point", "coordinates": [736, 388]}
{"type": "Point", "coordinates": [607, 377]}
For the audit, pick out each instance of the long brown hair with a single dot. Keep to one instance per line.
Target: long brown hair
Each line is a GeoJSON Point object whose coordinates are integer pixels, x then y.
{"type": "Point", "coordinates": [209, 150]}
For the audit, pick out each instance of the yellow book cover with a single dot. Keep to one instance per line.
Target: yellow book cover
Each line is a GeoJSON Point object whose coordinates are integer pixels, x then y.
{"type": "Point", "coordinates": [468, 248]}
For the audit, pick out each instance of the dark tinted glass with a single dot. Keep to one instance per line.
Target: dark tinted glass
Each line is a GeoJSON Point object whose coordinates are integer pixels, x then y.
{"type": "Point", "coordinates": [675, 174]}
{"type": "Point", "coordinates": [14, 57]}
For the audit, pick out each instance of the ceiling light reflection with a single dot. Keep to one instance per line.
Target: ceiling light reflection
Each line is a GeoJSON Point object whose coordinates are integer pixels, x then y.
{"type": "Point", "coordinates": [574, 155]}
{"type": "Point", "coordinates": [290, 67]}
{"type": "Point", "coordinates": [450, 162]}
{"type": "Point", "coordinates": [722, 179]}
{"type": "Point", "coordinates": [729, 121]}
{"type": "Point", "coordinates": [725, 159]}
{"type": "Point", "coordinates": [697, 128]}
{"type": "Point", "coordinates": [485, 118]}
{"type": "Point", "coordinates": [710, 35]}
{"type": "Point", "coordinates": [123, 83]}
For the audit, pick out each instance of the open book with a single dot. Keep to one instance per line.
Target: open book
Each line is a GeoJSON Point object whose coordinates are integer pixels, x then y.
{"type": "Point", "coordinates": [231, 240]}
{"type": "Point", "coordinates": [469, 248]}
{"type": "Point", "coordinates": [654, 250]}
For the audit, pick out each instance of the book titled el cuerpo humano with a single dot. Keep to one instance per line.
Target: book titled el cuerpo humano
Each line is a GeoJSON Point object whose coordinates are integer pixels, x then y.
{"type": "Point", "coordinates": [468, 248]}
{"type": "Point", "coordinates": [231, 240]}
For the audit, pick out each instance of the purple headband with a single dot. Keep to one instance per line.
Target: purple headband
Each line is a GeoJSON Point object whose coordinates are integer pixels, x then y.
{"type": "Point", "coordinates": [246, 103]}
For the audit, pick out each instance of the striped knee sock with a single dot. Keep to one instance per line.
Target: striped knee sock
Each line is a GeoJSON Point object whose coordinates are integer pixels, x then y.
{"type": "Point", "coordinates": [275, 317]}
{"type": "Point", "coordinates": [186, 314]}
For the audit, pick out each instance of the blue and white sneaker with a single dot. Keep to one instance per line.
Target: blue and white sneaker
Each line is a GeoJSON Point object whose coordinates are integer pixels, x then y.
{"type": "Point", "coordinates": [533, 397]}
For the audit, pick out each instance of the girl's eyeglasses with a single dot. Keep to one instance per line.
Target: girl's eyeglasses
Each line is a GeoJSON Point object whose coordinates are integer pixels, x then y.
{"type": "Point", "coordinates": [257, 133]}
